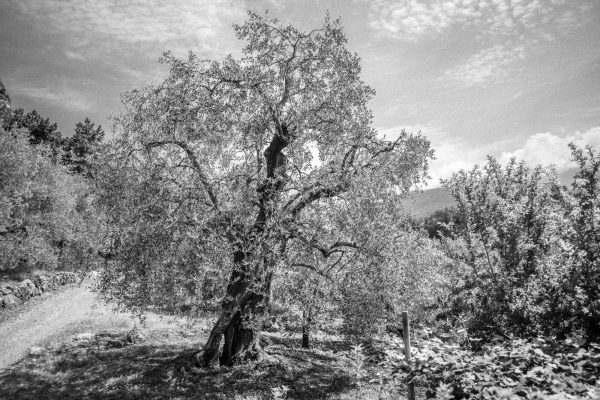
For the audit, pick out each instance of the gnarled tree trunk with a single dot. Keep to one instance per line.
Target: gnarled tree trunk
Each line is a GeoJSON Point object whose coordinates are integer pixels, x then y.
{"type": "Point", "coordinates": [241, 317]}
{"type": "Point", "coordinates": [249, 286]}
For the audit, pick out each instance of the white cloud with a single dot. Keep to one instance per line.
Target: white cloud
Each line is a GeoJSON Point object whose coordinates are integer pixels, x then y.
{"type": "Point", "coordinates": [550, 148]}
{"type": "Point", "coordinates": [451, 153]}
{"type": "Point", "coordinates": [65, 97]}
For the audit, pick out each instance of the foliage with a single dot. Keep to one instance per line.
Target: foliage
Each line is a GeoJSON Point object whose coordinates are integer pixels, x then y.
{"type": "Point", "coordinates": [44, 215]}
{"type": "Point", "coordinates": [409, 274]}
{"type": "Point", "coordinates": [243, 168]}
{"type": "Point", "coordinates": [5, 107]}
{"type": "Point", "coordinates": [40, 129]}
{"type": "Point", "coordinates": [509, 244]}
{"type": "Point", "coordinates": [443, 223]}
{"type": "Point", "coordinates": [578, 295]}
{"type": "Point", "coordinates": [154, 258]}
{"type": "Point", "coordinates": [313, 295]}
{"type": "Point", "coordinates": [357, 363]}
{"type": "Point", "coordinates": [530, 247]}
{"type": "Point", "coordinates": [537, 368]}
{"type": "Point", "coordinates": [79, 148]}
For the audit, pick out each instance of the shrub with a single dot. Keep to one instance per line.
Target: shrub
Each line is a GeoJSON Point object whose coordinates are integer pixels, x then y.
{"type": "Point", "coordinates": [510, 242]}
{"type": "Point", "coordinates": [538, 368]}
{"type": "Point", "coordinates": [44, 218]}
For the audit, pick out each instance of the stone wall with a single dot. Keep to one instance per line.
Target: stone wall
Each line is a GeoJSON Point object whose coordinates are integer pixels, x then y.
{"type": "Point", "coordinates": [13, 295]}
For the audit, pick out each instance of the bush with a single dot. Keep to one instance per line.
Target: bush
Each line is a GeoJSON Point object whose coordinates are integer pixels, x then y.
{"type": "Point", "coordinates": [44, 219]}
{"type": "Point", "coordinates": [538, 368]}
{"type": "Point", "coordinates": [414, 276]}
{"type": "Point", "coordinates": [578, 297]}
{"type": "Point", "coordinates": [509, 243]}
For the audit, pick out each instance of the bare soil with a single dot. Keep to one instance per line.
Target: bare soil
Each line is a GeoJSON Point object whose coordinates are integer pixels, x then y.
{"type": "Point", "coordinates": [47, 320]}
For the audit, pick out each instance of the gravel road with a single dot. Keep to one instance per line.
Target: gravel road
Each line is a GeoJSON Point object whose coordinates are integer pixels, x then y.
{"type": "Point", "coordinates": [54, 318]}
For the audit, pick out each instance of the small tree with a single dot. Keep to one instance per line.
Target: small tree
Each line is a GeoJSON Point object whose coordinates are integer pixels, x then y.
{"type": "Point", "coordinates": [40, 129]}
{"type": "Point", "coordinates": [43, 215]}
{"type": "Point", "coordinates": [227, 168]}
{"type": "Point", "coordinates": [511, 234]}
{"type": "Point", "coordinates": [81, 146]}
{"type": "Point", "coordinates": [396, 269]}
{"type": "Point", "coordinates": [580, 297]}
{"type": "Point", "coordinates": [314, 295]}
{"type": "Point", "coordinates": [5, 107]}
{"type": "Point", "coordinates": [443, 223]}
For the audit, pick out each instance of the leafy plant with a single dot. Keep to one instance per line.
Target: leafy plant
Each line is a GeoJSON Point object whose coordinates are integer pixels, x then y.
{"type": "Point", "coordinates": [230, 172]}
{"type": "Point", "coordinates": [579, 296]}
{"type": "Point", "coordinates": [510, 239]}
{"type": "Point", "coordinates": [45, 216]}
{"type": "Point", "coordinates": [535, 368]}
{"type": "Point", "coordinates": [357, 363]}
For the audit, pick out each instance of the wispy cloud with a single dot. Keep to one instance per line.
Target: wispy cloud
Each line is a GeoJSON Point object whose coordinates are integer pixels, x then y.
{"type": "Point", "coordinates": [414, 19]}
{"type": "Point", "coordinates": [176, 25]}
{"type": "Point", "coordinates": [485, 66]}
{"type": "Point", "coordinates": [507, 30]}
{"type": "Point", "coordinates": [65, 97]}
{"type": "Point", "coordinates": [71, 55]}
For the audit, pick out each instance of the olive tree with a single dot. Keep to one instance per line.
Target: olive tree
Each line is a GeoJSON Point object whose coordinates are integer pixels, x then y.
{"type": "Point", "coordinates": [229, 172]}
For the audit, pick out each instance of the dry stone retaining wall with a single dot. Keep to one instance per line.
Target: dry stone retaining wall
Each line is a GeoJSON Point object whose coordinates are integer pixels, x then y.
{"type": "Point", "coordinates": [13, 295]}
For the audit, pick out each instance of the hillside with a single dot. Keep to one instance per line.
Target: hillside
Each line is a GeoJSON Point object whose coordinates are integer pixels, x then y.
{"type": "Point", "coordinates": [425, 203]}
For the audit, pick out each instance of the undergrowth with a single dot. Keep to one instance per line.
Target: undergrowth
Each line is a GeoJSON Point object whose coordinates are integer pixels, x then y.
{"type": "Point", "coordinates": [537, 368]}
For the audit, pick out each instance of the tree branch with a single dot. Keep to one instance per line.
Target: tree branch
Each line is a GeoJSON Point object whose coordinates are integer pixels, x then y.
{"type": "Point", "coordinates": [316, 194]}
{"type": "Point", "coordinates": [326, 252]}
{"type": "Point", "coordinates": [192, 157]}
{"type": "Point", "coordinates": [314, 269]}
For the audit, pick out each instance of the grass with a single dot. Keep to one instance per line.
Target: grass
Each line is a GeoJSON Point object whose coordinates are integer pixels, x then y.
{"type": "Point", "coordinates": [160, 366]}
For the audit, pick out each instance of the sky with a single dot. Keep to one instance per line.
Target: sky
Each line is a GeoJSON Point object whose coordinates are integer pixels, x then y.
{"type": "Point", "coordinates": [506, 78]}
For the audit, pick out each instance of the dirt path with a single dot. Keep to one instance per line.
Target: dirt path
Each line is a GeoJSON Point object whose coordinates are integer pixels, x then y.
{"type": "Point", "coordinates": [56, 317]}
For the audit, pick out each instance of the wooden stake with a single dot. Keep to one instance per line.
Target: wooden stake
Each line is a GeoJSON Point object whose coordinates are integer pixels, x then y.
{"type": "Point", "coordinates": [406, 332]}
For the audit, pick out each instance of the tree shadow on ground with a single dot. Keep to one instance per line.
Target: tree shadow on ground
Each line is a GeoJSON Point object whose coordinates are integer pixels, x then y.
{"type": "Point", "coordinates": [108, 368]}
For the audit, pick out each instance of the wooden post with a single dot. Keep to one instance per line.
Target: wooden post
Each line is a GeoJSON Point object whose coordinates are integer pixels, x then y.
{"type": "Point", "coordinates": [306, 329]}
{"type": "Point", "coordinates": [406, 332]}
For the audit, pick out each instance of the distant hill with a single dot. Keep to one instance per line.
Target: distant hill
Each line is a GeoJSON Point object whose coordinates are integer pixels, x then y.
{"type": "Point", "coordinates": [566, 177]}
{"type": "Point", "coordinates": [425, 203]}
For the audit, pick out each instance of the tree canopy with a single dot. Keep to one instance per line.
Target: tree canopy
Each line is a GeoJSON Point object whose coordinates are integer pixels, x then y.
{"type": "Point", "coordinates": [40, 129]}
{"type": "Point", "coordinates": [79, 148]}
{"type": "Point", "coordinates": [45, 218]}
{"type": "Point", "coordinates": [229, 171]}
